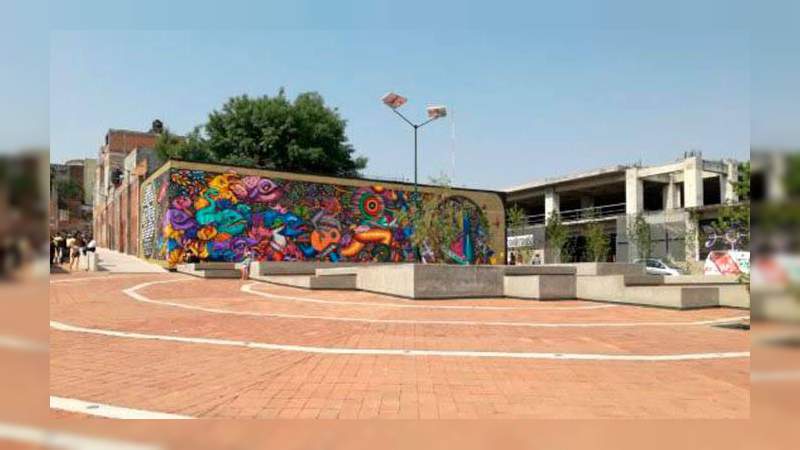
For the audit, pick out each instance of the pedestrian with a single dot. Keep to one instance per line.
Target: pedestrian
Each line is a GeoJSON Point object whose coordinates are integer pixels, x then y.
{"type": "Point", "coordinates": [91, 246]}
{"type": "Point", "coordinates": [537, 260]}
{"type": "Point", "coordinates": [63, 252]}
{"type": "Point", "coordinates": [512, 259]}
{"type": "Point", "coordinates": [52, 250]}
{"type": "Point", "coordinates": [245, 264]}
{"type": "Point", "coordinates": [74, 244]}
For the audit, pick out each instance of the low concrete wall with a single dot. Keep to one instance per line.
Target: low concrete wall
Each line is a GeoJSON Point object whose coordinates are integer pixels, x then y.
{"type": "Point", "coordinates": [393, 280]}
{"type": "Point", "coordinates": [448, 281]}
{"type": "Point", "coordinates": [430, 281]}
{"type": "Point", "coordinates": [540, 287]}
{"type": "Point", "coordinates": [613, 288]}
{"type": "Point", "coordinates": [734, 296]}
{"type": "Point", "coordinates": [608, 269]}
{"type": "Point", "coordinates": [346, 282]}
{"type": "Point", "coordinates": [548, 269]}
{"type": "Point", "coordinates": [294, 267]}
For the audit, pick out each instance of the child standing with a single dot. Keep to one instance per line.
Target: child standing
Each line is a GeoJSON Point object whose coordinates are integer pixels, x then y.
{"type": "Point", "coordinates": [245, 264]}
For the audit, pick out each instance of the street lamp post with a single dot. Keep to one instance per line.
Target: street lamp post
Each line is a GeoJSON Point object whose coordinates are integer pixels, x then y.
{"type": "Point", "coordinates": [395, 101]}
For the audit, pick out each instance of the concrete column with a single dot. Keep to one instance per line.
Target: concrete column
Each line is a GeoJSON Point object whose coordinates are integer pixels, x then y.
{"type": "Point", "coordinates": [732, 177]}
{"type": "Point", "coordinates": [693, 182]}
{"type": "Point", "coordinates": [671, 200]}
{"type": "Point", "coordinates": [552, 202]}
{"type": "Point", "coordinates": [776, 174]}
{"type": "Point", "coordinates": [634, 192]}
{"type": "Point", "coordinates": [691, 239]}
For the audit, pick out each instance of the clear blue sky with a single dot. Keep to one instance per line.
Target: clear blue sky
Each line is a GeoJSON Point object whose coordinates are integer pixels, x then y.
{"type": "Point", "coordinates": [535, 90]}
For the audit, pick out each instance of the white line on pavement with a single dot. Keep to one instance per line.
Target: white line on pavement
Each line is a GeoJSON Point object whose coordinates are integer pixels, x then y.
{"type": "Point", "coordinates": [784, 375]}
{"type": "Point", "coordinates": [100, 277]}
{"type": "Point", "coordinates": [399, 352]}
{"type": "Point", "coordinates": [248, 288]}
{"type": "Point", "coordinates": [24, 344]}
{"type": "Point", "coordinates": [108, 411]}
{"type": "Point", "coordinates": [49, 438]}
{"type": "Point", "coordinates": [132, 292]}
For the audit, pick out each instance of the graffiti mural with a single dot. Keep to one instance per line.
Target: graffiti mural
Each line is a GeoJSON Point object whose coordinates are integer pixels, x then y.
{"type": "Point", "coordinates": [154, 208]}
{"type": "Point", "coordinates": [216, 216]}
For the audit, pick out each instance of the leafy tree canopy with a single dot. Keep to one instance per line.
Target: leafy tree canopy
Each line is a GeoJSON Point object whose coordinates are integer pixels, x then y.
{"type": "Point", "coordinates": [303, 135]}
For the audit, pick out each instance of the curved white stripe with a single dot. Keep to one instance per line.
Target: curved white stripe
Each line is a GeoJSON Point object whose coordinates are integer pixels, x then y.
{"type": "Point", "coordinates": [132, 292]}
{"type": "Point", "coordinates": [248, 288]}
{"type": "Point", "coordinates": [108, 411]}
{"type": "Point", "coordinates": [399, 352]}
{"type": "Point", "coordinates": [788, 375]}
{"type": "Point", "coordinates": [49, 438]}
{"type": "Point", "coordinates": [99, 277]}
{"type": "Point", "coordinates": [24, 344]}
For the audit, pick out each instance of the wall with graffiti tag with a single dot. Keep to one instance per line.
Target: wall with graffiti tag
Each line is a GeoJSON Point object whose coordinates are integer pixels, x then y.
{"type": "Point", "coordinates": [215, 213]}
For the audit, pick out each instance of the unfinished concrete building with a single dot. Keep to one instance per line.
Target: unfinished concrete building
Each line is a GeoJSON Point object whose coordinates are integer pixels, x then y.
{"type": "Point", "coordinates": [679, 200]}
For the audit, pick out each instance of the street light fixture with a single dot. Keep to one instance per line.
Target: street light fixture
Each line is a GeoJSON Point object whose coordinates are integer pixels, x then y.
{"type": "Point", "coordinates": [394, 101]}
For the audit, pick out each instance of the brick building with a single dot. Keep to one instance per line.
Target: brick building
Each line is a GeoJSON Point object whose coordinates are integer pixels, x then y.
{"type": "Point", "coordinates": [72, 195]}
{"type": "Point", "coordinates": [124, 160]}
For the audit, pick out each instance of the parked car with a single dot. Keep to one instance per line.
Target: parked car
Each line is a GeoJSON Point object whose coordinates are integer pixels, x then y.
{"type": "Point", "coordinates": [656, 266]}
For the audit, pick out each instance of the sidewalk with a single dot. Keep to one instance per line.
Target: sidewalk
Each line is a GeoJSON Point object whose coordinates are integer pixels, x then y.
{"type": "Point", "coordinates": [112, 261]}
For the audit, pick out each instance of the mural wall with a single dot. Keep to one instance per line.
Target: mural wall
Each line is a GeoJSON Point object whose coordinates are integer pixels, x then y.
{"type": "Point", "coordinates": [154, 206]}
{"type": "Point", "coordinates": [215, 216]}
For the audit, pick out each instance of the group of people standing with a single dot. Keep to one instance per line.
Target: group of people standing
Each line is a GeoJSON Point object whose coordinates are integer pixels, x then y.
{"type": "Point", "coordinates": [67, 248]}
{"type": "Point", "coordinates": [515, 258]}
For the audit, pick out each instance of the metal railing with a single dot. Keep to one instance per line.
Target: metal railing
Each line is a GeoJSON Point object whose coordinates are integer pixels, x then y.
{"type": "Point", "coordinates": [574, 215]}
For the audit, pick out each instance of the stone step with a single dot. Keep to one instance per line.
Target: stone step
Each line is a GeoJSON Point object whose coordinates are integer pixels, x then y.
{"type": "Point", "coordinates": [614, 288]}
{"type": "Point", "coordinates": [679, 297]}
{"type": "Point", "coordinates": [293, 267]}
{"type": "Point", "coordinates": [347, 281]}
{"type": "Point", "coordinates": [539, 287]}
{"type": "Point", "coordinates": [189, 269]}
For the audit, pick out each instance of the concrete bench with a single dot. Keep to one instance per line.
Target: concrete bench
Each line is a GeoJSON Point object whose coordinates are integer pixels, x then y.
{"type": "Point", "coordinates": [224, 271]}
{"type": "Point", "coordinates": [345, 281]}
{"type": "Point", "coordinates": [432, 281]}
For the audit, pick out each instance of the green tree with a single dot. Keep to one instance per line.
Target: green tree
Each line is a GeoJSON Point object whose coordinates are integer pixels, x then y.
{"type": "Point", "coordinates": [598, 243]}
{"type": "Point", "coordinates": [515, 217]}
{"type": "Point", "coordinates": [737, 214]}
{"type": "Point", "coordinates": [192, 147]}
{"type": "Point", "coordinates": [303, 135]}
{"type": "Point", "coordinates": [438, 221]}
{"type": "Point", "coordinates": [556, 235]}
{"type": "Point", "coordinates": [68, 190]}
{"type": "Point", "coordinates": [639, 236]}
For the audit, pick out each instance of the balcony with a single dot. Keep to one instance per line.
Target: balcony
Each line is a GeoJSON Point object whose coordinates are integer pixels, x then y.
{"type": "Point", "coordinates": [572, 216]}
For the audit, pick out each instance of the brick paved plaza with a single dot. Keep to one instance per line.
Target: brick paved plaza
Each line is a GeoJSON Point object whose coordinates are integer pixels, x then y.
{"type": "Point", "coordinates": [172, 344]}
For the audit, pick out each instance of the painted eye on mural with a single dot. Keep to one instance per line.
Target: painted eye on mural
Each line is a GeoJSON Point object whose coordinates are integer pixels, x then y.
{"type": "Point", "coordinates": [371, 205]}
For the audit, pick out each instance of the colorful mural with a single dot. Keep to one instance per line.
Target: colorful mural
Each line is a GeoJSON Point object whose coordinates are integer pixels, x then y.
{"type": "Point", "coordinates": [216, 216]}
{"type": "Point", "coordinates": [154, 208]}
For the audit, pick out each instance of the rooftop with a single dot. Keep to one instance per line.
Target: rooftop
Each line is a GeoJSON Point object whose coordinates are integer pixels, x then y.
{"type": "Point", "coordinates": [571, 177]}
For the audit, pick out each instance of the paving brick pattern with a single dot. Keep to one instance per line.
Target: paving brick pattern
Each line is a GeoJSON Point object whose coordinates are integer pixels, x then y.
{"type": "Point", "coordinates": [216, 381]}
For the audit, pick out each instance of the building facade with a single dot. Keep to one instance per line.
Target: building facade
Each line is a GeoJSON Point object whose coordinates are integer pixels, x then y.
{"type": "Point", "coordinates": [678, 200]}
{"type": "Point", "coordinates": [72, 195]}
{"type": "Point", "coordinates": [124, 160]}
